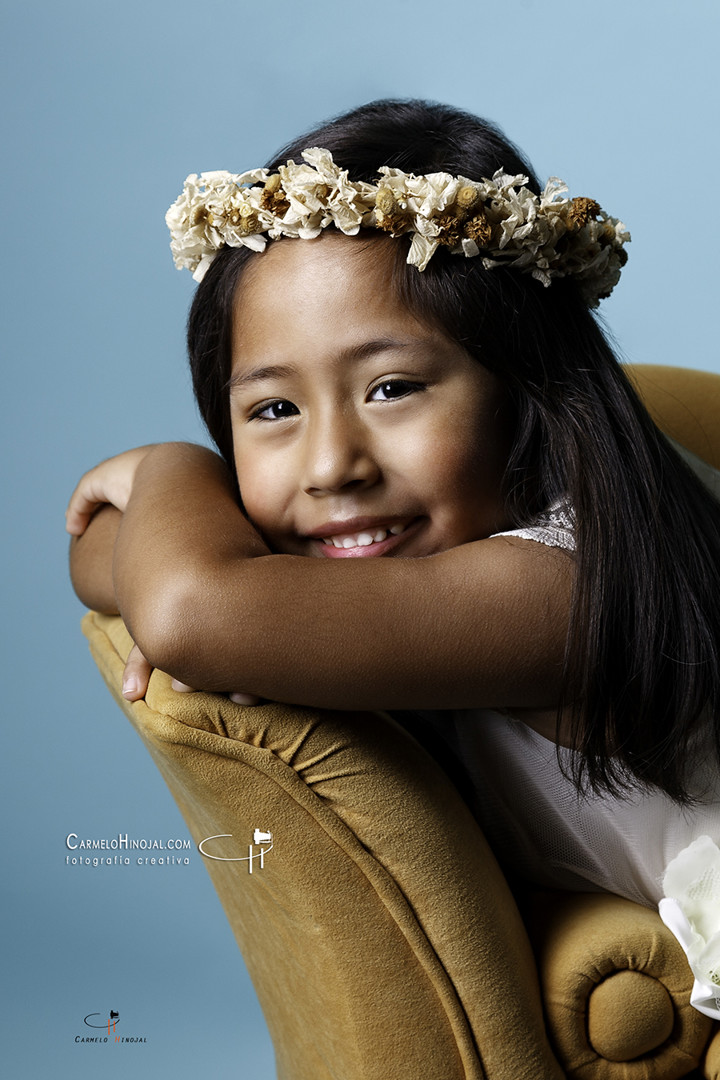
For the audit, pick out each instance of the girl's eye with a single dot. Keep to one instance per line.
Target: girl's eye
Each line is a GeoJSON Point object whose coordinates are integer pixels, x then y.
{"type": "Point", "coordinates": [392, 389]}
{"type": "Point", "coordinates": [275, 410]}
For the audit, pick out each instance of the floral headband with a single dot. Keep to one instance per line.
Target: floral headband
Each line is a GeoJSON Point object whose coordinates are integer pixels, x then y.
{"type": "Point", "coordinates": [500, 219]}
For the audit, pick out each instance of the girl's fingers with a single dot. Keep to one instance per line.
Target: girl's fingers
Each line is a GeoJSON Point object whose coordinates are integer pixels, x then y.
{"type": "Point", "coordinates": [80, 509]}
{"type": "Point", "coordinates": [244, 699]}
{"type": "Point", "coordinates": [238, 698]}
{"type": "Point", "coordinates": [77, 521]}
{"type": "Point", "coordinates": [182, 687]}
{"type": "Point", "coordinates": [91, 492]}
{"type": "Point", "coordinates": [136, 675]}
{"type": "Point", "coordinates": [109, 482]}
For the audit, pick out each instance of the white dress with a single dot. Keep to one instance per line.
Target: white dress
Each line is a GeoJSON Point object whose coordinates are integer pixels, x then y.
{"type": "Point", "coordinates": [542, 829]}
{"type": "Point", "coordinates": [531, 813]}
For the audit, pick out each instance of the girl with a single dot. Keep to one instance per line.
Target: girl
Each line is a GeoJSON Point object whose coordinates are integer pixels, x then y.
{"type": "Point", "coordinates": [410, 389]}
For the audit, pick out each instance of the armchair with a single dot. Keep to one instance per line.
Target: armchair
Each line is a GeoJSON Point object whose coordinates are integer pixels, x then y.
{"type": "Point", "coordinates": [380, 934]}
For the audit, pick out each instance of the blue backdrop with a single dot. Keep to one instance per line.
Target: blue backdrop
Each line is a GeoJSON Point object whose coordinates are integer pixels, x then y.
{"type": "Point", "coordinates": [107, 107]}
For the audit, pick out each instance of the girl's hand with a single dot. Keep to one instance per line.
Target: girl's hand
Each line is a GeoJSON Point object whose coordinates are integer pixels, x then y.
{"type": "Point", "coordinates": [109, 482]}
{"type": "Point", "coordinates": [137, 676]}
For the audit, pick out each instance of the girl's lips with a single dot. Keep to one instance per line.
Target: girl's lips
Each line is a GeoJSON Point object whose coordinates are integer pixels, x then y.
{"type": "Point", "coordinates": [363, 543]}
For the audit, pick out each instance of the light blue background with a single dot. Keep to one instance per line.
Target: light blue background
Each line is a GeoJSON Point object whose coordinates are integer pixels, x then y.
{"type": "Point", "coordinates": [107, 107]}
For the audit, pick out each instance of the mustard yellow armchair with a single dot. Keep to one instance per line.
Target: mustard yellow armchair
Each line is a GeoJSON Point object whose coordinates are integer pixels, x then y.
{"type": "Point", "coordinates": [377, 927]}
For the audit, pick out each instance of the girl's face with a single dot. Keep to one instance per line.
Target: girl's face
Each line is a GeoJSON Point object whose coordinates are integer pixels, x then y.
{"type": "Point", "coordinates": [358, 431]}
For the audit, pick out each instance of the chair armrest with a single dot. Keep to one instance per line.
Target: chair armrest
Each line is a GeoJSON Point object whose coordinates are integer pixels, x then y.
{"type": "Point", "coordinates": [380, 933]}
{"type": "Point", "coordinates": [616, 987]}
{"type": "Point", "coordinates": [711, 1064]}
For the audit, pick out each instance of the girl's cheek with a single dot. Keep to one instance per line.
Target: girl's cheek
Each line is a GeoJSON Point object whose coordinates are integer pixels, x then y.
{"type": "Point", "coordinates": [262, 495]}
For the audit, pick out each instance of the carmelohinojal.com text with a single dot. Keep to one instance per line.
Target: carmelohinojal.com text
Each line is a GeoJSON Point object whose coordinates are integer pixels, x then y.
{"type": "Point", "coordinates": [155, 852]}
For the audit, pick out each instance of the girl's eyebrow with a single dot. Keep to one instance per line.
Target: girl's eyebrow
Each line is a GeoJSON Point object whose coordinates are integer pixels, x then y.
{"type": "Point", "coordinates": [270, 371]}
{"type": "Point", "coordinates": [284, 371]}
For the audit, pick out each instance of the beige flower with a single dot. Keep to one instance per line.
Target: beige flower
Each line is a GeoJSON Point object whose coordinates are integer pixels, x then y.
{"type": "Point", "coordinates": [320, 194]}
{"type": "Point", "coordinates": [216, 210]}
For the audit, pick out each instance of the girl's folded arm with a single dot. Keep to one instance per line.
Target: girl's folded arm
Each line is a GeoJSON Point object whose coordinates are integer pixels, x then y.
{"type": "Point", "coordinates": [91, 561]}
{"type": "Point", "coordinates": [92, 518]}
{"type": "Point", "coordinates": [479, 625]}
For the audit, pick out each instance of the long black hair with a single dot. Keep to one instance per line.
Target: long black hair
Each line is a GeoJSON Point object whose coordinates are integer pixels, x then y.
{"type": "Point", "coordinates": [641, 667]}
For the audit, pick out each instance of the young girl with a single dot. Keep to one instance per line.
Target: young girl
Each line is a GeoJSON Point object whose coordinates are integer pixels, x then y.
{"type": "Point", "coordinates": [410, 390]}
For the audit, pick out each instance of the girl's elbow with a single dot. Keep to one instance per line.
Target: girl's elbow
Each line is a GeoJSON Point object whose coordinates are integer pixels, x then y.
{"type": "Point", "coordinates": [157, 618]}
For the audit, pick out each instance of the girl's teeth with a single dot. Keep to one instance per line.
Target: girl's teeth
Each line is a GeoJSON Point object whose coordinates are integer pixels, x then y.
{"type": "Point", "coordinates": [363, 539]}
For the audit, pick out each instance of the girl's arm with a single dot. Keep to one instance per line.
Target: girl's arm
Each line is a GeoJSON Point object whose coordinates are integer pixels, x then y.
{"type": "Point", "coordinates": [480, 625]}
{"type": "Point", "coordinates": [92, 518]}
{"type": "Point", "coordinates": [91, 555]}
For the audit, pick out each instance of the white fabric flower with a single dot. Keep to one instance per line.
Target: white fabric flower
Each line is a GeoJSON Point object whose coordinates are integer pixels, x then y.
{"type": "Point", "coordinates": [691, 910]}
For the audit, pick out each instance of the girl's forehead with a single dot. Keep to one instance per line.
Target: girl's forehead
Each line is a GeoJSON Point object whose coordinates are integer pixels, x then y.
{"type": "Point", "coordinates": [333, 284]}
{"type": "Point", "coordinates": [363, 263]}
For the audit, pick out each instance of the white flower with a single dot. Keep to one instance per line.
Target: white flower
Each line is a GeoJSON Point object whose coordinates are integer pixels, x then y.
{"type": "Point", "coordinates": [691, 909]}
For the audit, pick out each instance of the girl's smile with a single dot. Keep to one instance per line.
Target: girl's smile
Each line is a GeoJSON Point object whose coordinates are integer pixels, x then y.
{"type": "Point", "coordinates": [358, 431]}
{"type": "Point", "coordinates": [362, 537]}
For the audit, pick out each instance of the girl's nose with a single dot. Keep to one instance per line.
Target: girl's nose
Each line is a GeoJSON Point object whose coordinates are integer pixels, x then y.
{"type": "Point", "coordinates": [338, 456]}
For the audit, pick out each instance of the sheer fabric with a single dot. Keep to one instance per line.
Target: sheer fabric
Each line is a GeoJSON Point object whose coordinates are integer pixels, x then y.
{"type": "Point", "coordinates": [532, 815]}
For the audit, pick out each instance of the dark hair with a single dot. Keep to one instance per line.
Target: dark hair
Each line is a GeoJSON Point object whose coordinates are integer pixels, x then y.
{"type": "Point", "coordinates": [641, 667]}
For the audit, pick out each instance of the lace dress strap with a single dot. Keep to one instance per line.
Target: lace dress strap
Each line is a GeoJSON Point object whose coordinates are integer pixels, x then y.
{"type": "Point", "coordinates": [555, 527]}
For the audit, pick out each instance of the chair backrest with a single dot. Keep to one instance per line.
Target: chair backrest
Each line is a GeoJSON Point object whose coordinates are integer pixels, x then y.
{"type": "Point", "coordinates": [685, 404]}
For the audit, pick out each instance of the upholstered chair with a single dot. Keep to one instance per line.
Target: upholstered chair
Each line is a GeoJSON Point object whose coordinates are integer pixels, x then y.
{"type": "Point", "coordinates": [379, 932]}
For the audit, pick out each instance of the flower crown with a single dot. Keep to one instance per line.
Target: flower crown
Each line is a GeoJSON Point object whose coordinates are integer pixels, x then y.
{"type": "Point", "coordinates": [500, 219]}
